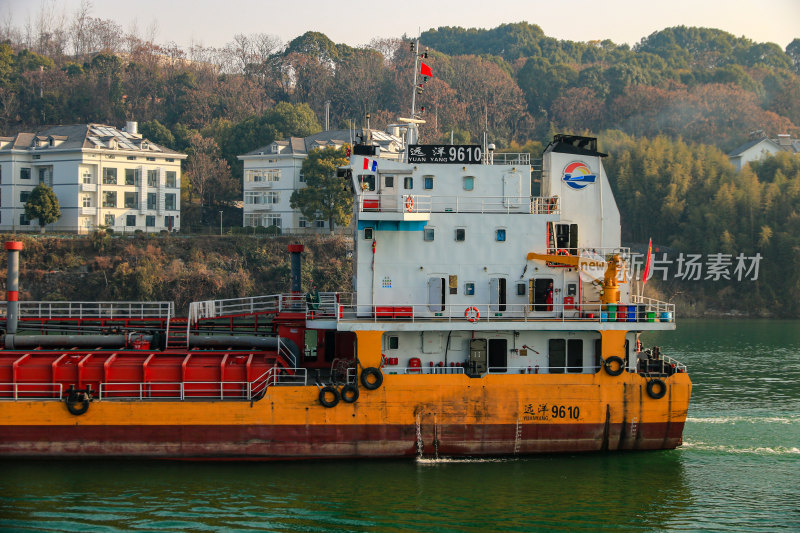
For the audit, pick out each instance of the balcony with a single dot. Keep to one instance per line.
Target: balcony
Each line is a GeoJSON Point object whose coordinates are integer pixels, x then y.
{"type": "Point", "coordinates": [376, 206]}
{"type": "Point", "coordinates": [90, 211]}
{"type": "Point", "coordinates": [88, 187]}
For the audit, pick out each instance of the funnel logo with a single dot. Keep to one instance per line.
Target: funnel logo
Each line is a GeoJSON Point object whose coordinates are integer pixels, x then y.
{"type": "Point", "coordinates": [577, 176]}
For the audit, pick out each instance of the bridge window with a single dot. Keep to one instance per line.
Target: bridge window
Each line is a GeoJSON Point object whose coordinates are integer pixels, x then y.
{"type": "Point", "coordinates": [428, 234]}
{"type": "Point", "coordinates": [408, 183]}
{"type": "Point", "coordinates": [427, 183]}
{"type": "Point", "coordinates": [500, 235]}
{"type": "Point", "coordinates": [469, 183]}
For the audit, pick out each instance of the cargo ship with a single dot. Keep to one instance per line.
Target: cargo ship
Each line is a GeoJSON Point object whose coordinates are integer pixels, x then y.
{"type": "Point", "coordinates": [485, 321]}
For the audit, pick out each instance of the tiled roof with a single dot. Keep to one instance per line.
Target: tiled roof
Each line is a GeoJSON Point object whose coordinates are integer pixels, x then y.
{"type": "Point", "coordinates": [92, 136]}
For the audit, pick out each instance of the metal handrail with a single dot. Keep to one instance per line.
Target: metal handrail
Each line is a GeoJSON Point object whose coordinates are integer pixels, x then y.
{"type": "Point", "coordinates": [425, 203]}
{"type": "Point", "coordinates": [493, 312]}
{"type": "Point", "coordinates": [131, 309]}
{"type": "Point", "coordinates": [53, 391]}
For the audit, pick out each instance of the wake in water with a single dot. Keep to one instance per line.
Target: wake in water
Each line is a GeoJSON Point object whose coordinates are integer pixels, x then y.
{"type": "Point", "coordinates": [754, 450]}
{"type": "Point", "coordinates": [794, 419]}
{"type": "Point", "coordinates": [443, 460]}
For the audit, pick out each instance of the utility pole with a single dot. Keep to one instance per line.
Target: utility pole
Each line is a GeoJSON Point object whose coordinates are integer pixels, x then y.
{"type": "Point", "coordinates": [220, 223]}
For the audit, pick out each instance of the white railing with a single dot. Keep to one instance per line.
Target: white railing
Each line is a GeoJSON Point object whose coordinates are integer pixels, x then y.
{"type": "Point", "coordinates": [425, 203]}
{"type": "Point", "coordinates": [507, 158]}
{"type": "Point", "coordinates": [286, 353]}
{"type": "Point", "coordinates": [661, 309]}
{"type": "Point", "coordinates": [649, 311]}
{"type": "Point", "coordinates": [13, 391]}
{"type": "Point", "coordinates": [536, 369]}
{"type": "Point", "coordinates": [28, 309]}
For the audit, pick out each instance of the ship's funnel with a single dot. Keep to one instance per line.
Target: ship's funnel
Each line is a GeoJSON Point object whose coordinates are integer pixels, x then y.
{"type": "Point", "coordinates": [295, 250]}
{"type": "Point", "coordinates": [12, 287]}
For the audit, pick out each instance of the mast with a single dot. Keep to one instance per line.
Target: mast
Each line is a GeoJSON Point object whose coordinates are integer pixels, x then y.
{"type": "Point", "coordinates": [415, 49]}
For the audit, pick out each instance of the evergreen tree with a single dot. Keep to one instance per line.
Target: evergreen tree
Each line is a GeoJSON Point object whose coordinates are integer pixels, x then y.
{"type": "Point", "coordinates": [43, 204]}
{"type": "Point", "coordinates": [325, 195]}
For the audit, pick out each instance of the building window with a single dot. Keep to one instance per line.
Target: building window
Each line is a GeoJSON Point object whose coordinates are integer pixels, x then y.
{"type": "Point", "coordinates": [150, 158]}
{"type": "Point", "coordinates": [169, 160]}
{"type": "Point", "coordinates": [394, 342]}
{"type": "Point", "coordinates": [24, 220]}
{"type": "Point", "coordinates": [131, 158]}
{"type": "Point", "coordinates": [302, 178]}
{"type": "Point", "coordinates": [262, 175]}
{"type": "Point", "coordinates": [319, 223]}
{"type": "Point", "coordinates": [461, 234]}
{"type": "Point", "coordinates": [152, 200]}
{"type": "Point", "coordinates": [131, 200]}
{"type": "Point", "coordinates": [170, 202]}
{"type": "Point", "coordinates": [428, 234]}
{"type": "Point", "coordinates": [133, 176]}
{"type": "Point", "coordinates": [500, 235]}
{"type": "Point", "coordinates": [109, 218]}
{"type": "Point", "coordinates": [259, 197]}
{"type": "Point", "coordinates": [427, 183]}
{"type": "Point", "coordinates": [150, 221]}
{"type": "Point", "coordinates": [303, 222]}
{"type": "Point", "coordinates": [169, 222]}
{"type": "Point", "coordinates": [469, 288]}
{"type": "Point", "coordinates": [110, 199]}
{"type": "Point", "coordinates": [87, 175]}
{"type": "Point", "coordinates": [408, 183]}
{"type": "Point", "coordinates": [23, 196]}
{"type": "Point", "coordinates": [469, 183]}
{"type": "Point", "coordinates": [172, 179]}
{"type": "Point", "coordinates": [44, 176]}
{"type": "Point", "coordinates": [109, 176]}
{"type": "Point", "coordinates": [152, 178]}
{"type": "Point", "coordinates": [262, 219]}
{"type": "Point", "coordinates": [86, 200]}
{"type": "Point", "coordinates": [25, 173]}
{"type": "Point", "coordinates": [130, 220]}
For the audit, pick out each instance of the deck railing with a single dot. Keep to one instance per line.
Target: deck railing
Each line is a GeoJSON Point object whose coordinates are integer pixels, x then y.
{"type": "Point", "coordinates": [39, 391]}
{"type": "Point", "coordinates": [425, 203]}
{"type": "Point", "coordinates": [115, 310]}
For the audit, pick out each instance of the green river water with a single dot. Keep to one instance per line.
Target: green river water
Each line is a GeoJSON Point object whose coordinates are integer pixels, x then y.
{"type": "Point", "coordinates": [739, 469]}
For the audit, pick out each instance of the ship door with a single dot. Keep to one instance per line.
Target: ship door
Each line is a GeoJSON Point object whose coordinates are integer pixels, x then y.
{"type": "Point", "coordinates": [388, 193]}
{"type": "Point", "coordinates": [477, 357]}
{"type": "Point", "coordinates": [498, 355]}
{"type": "Point", "coordinates": [541, 294]}
{"type": "Point", "coordinates": [310, 351]}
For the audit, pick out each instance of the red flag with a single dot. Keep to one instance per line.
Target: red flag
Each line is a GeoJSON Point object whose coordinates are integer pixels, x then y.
{"type": "Point", "coordinates": [649, 263]}
{"type": "Point", "coordinates": [425, 70]}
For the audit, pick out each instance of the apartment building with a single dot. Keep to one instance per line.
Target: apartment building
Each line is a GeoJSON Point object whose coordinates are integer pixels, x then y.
{"type": "Point", "coordinates": [102, 176]}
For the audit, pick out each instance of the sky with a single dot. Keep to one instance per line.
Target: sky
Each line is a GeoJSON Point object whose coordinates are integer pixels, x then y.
{"type": "Point", "coordinates": [356, 22]}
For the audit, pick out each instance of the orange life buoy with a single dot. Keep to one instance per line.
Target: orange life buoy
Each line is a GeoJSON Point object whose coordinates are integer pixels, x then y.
{"type": "Point", "coordinates": [472, 314]}
{"type": "Point", "coordinates": [409, 204]}
{"type": "Point", "coordinates": [562, 251]}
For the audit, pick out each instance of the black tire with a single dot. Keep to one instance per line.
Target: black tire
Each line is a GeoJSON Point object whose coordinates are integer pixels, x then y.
{"type": "Point", "coordinates": [614, 359]}
{"type": "Point", "coordinates": [77, 404]}
{"type": "Point", "coordinates": [656, 389]}
{"type": "Point", "coordinates": [349, 393]}
{"type": "Point", "coordinates": [377, 378]}
{"type": "Point", "coordinates": [323, 396]}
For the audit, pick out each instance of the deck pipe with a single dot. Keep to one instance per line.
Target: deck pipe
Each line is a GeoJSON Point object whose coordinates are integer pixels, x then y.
{"type": "Point", "coordinates": [294, 252]}
{"type": "Point", "coordinates": [12, 287]}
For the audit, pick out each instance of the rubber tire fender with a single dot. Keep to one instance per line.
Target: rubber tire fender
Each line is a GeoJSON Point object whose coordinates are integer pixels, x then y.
{"type": "Point", "coordinates": [658, 393]}
{"type": "Point", "coordinates": [371, 371]}
{"type": "Point", "coordinates": [614, 359]}
{"type": "Point", "coordinates": [75, 400]}
{"type": "Point", "coordinates": [349, 393]}
{"type": "Point", "coordinates": [323, 392]}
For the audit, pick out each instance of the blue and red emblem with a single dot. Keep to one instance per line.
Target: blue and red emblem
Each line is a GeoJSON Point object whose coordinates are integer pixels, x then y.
{"type": "Point", "coordinates": [577, 176]}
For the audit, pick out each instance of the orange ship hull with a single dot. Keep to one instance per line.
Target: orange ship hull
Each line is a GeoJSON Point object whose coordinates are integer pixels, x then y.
{"type": "Point", "coordinates": [451, 415]}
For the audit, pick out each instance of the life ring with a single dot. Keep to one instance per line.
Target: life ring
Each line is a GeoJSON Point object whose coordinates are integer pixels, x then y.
{"type": "Point", "coordinates": [323, 396]}
{"type": "Point", "coordinates": [409, 204]}
{"type": "Point", "coordinates": [375, 374]}
{"type": "Point", "coordinates": [77, 403]}
{"type": "Point", "coordinates": [349, 393]}
{"type": "Point", "coordinates": [472, 314]}
{"type": "Point", "coordinates": [562, 251]}
{"type": "Point", "coordinates": [656, 389]}
{"type": "Point", "coordinates": [614, 359]}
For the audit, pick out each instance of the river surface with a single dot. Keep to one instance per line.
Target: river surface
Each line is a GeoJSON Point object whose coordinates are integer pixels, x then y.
{"type": "Point", "coordinates": [739, 469]}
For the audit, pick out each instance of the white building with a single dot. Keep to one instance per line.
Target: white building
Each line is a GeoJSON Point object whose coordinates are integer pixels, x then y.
{"type": "Point", "coordinates": [762, 147]}
{"type": "Point", "coordinates": [101, 176]}
{"type": "Point", "coordinates": [273, 172]}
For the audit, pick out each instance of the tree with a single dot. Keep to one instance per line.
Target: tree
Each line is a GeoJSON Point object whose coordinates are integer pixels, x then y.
{"type": "Point", "coordinates": [325, 195]}
{"type": "Point", "coordinates": [43, 204]}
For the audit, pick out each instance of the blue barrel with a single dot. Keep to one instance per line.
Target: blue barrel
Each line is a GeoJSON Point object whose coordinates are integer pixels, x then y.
{"type": "Point", "coordinates": [631, 313]}
{"type": "Point", "coordinates": [603, 316]}
{"type": "Point", "coordinates": [666, 316]}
